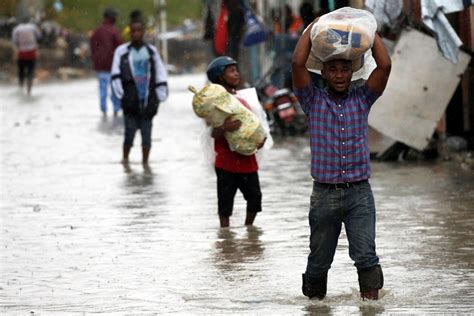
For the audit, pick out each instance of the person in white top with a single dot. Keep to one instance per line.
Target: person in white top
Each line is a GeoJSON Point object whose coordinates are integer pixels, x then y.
{"type": "Point", "coordinates": [25, 36]}
{"type": "Point", "coordinates": [140, 82]}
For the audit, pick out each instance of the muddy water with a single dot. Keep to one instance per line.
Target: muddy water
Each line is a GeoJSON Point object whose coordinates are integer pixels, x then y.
{"type": "Point", "coordinates": [81, 233]}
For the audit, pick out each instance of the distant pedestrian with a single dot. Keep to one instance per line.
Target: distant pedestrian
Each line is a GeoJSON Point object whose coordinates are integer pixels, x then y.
{"type": "Point", "coordinates": [135, 15]}
{"type": "Point", "coordinates": [340, 166]}
{"type": "Point", "coordinates": [25, 36]}
{"type": "Point", "coordinates": [292, 23]}
{"type": "Point", "coordinates": [103, 42]}
{"type": "Point", "coordinates": [139, 80]}
{"type": "Point", "coordinates": [307, 14]}
{"type": "Point", "coordinates": [230, 28]}
{"type": "Point", "coordinates": [233, 170]}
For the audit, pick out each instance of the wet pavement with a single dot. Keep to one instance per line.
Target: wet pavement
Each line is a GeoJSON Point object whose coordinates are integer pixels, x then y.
{"type": "Point", "coordinates": [80, 233]}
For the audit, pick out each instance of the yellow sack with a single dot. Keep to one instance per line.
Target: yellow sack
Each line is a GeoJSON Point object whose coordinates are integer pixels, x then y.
{"type": "Point", "coordinates": [214, 104]}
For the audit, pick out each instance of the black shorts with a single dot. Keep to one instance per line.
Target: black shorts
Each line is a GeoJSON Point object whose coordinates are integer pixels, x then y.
{"type": "Point", "coordinates": [26, 69]}
{"type": "Point", "coordinates": [227, 185]}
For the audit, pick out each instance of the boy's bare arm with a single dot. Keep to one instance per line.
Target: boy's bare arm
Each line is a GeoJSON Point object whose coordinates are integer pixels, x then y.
{"type": "Point", "coordinates": [378, 78]}
{"type": "Point", "coordinates": [229, 125]}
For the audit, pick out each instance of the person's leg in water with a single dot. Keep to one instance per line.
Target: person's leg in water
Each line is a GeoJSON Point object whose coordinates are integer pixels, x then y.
{"type": "Point", "coordinates": [360, 230]}
{"type": "Point", "coordinates": [145, 155]}
{"type": "Point", "coordinates": [125, 153]}
{"type": "Point", "coordinates": [146, 126]}
{"type": "Point", "coordinates": [226, 190]}
{"type": "Point", "coordinates": [130, 130]}
{"type": "Point", "coordinates": [249, 185]}
{"type": "Point", "coordinates": [224, 220]}
{"type": "Point", "coordinates": [104, 82]}
{"type": "Point", "coordinates": [21, 73]}
{"type": "Point", "coordinates": [29, 85]}
{"type": "Point", "coordinates": [250, 218]}
{"type": "Point", "coordinates": [325, 224]}
{"type": "Point", "coordinates": [30, 75]}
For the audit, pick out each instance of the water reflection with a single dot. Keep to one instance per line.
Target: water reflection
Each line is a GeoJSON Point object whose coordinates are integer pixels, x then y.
{"type": "Point", "coordinates": [318, 309]}
{"type": "Point", "coordinates": [232, 250]}
{"type": "Point", "coordinates": [349, 303]}
{"type": "Point", "coordinates": [146, 239]}
{"type": "Point", "coordinates": [371, 309]}
{"type": "Point", "coordinates": [138, 181]}
{"type": "Point", "coordinates": [111, 125]}
{"type": "Point", "coordinates": [140, 189]}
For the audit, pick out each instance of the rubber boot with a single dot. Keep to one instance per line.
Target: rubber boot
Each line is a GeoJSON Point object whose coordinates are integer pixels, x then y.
{"type": "Point", "coordinates": [370, 282]}
{"type": "Point", "coordinates": [315, 287]}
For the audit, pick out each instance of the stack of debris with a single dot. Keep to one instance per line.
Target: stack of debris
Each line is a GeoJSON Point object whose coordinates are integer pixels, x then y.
{"type": "Point", "coordinates": [409, 120]}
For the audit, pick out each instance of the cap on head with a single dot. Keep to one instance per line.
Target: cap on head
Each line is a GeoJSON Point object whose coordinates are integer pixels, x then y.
{"type": "Point", "coordinates": [216, 68]}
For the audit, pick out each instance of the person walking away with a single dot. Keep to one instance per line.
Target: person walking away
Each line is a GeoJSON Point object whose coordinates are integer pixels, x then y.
{"type": "Point", "coordinates": [139, 80]}
{"type": "Point", "coordinates": [233, 170]}
{"type": "Point", "coordinates": [103, 42]}
{"type": "Point", "coordinates": [340, 166]}
{"type": "Point", "coordinates": [25, 36]}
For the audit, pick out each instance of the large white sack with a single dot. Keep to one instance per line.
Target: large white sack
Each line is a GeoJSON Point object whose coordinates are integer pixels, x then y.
{"type": "Point", "coordinates": [214, 104]}
{"type": "Point", "coordinates": [346, 33]}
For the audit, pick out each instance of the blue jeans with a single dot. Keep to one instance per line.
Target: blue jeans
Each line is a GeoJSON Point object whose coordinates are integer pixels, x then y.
{"type": "Point", "coordinates": [353, 206]}
{"type": "Point", "coordinates": [104, 84]}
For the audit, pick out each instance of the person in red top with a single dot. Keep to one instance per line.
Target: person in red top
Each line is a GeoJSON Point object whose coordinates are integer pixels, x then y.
{"type": "Point", "coordinates": [104, 41]}
{"type": "Point", "coordinates": [234, 171]}
{"type": "Point", "coordinates": [25, 36]}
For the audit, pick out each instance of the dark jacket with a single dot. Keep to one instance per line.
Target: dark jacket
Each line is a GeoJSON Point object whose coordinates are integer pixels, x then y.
{"type": "Point", "coordinates": [124, 87]}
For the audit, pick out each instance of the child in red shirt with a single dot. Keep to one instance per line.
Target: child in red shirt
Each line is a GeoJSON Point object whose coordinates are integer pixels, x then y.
{"type": "Point", "coordinates": [234, 171]}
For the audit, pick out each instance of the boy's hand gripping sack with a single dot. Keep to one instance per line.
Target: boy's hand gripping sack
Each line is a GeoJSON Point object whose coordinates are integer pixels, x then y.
{"type": "Point", "coordinates": [214, 104]}
{"type": "Point", "coordinates": [346, 33]}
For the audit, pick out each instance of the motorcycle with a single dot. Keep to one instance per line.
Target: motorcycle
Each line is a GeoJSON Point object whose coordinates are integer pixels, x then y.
{"type": "Point", "coordinates": [284, 112]}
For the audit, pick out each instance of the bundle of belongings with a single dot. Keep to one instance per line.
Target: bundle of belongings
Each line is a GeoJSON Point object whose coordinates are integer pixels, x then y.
{"type": "Point", "coordinates": [214, 104]}
{"type": "Point", "coordinates": [346, 33]}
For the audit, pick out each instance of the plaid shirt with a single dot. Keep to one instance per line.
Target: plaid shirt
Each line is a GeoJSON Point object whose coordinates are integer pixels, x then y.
{"type": "Point", "coordinates": [338, 133]}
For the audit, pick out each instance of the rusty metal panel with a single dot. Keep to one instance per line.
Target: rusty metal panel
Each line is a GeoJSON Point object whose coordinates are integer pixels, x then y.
{"type": "Point", "coordinates": [420, 87]}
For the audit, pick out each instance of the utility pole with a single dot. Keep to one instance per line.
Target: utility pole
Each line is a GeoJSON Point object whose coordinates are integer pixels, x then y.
{"type": "Point", "coordinates": [160, 8]}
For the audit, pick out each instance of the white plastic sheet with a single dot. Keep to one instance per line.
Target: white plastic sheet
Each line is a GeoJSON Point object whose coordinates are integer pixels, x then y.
{"type": "Point", "coordinates": [433, 14]}
{"type": "Point", "coordinates": [386, 12]}
{"type": "Point", "coordinates": [346, 33]}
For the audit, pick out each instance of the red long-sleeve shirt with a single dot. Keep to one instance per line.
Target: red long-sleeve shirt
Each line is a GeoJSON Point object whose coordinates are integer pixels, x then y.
{"type": "Point", "coordinates": [231, 161]}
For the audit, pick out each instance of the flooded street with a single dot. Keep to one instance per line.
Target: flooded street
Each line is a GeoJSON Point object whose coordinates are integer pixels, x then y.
{"type": "Point", "coordinates": [80, 233]}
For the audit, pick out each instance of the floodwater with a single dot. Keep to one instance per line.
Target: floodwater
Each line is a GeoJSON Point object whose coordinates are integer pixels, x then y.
{"type": "Point", "coordinates": [80, 233]}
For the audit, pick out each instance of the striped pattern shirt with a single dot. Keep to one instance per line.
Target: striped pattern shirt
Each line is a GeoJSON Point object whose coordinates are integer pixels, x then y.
{"type": "Point", "coordinates": [338, 133]}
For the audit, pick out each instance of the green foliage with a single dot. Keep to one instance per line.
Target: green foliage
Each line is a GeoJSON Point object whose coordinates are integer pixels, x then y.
{"type": "Point", "coordinates": [84, 15]}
